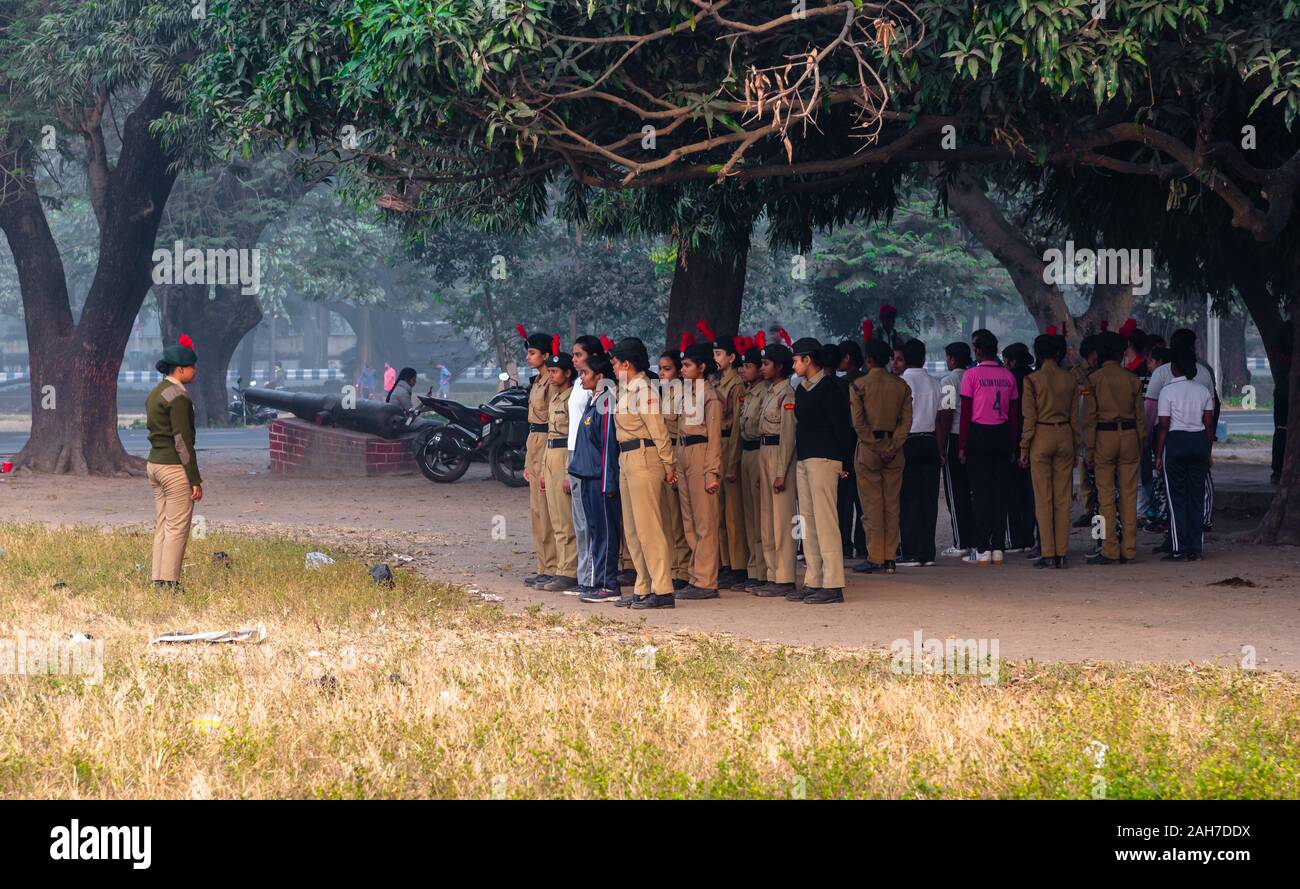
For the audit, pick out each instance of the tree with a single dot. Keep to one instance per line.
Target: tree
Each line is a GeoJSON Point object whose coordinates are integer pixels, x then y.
{"type": "Point", "coordinates": [102, 74]}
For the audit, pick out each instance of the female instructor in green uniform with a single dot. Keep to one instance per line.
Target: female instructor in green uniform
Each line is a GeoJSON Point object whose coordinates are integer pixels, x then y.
{"type": "Point", "coordinates": [173, 467]}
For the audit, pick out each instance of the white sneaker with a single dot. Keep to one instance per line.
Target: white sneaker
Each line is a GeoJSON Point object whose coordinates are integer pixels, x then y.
{"type": "Point", "coordinates": [927, 564]}
{"type": "Point", "coordinates": [956, 551]}
{"type": "Point", "coordinates": [977, 558]}
{"type": "Point", "coordinates": [911, 563]}
{"type": "Point", "coordinates": [997, 557]}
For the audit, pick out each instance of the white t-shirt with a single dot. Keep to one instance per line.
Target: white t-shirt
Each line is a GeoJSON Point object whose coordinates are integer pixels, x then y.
{"type": "Point", "coordinates": [953, 379]}
{"type": "Point", "coordinates": [1164, 375]}
{"type": "Point", "coordinates": [925, 398]}
{"type": "Point", "coordinates": [579, 398]}
{"type": "Point", "coordinates": [1184, 403]}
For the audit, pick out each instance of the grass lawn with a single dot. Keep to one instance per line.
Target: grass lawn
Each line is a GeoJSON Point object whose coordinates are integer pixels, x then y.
{"type": "Point", "coordinates": [423, 690]}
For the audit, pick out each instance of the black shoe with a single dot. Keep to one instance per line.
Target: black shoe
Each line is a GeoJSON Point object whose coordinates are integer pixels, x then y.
{"type": "Point", "coordinates": [625, 600]}
{"type": "Point", "coordinates": [680, 584]}
{"type": "Point", "coordinates": [867, 567]}
{"type": "Point", "coordinates": [1099, 559]}
{"type": "Point", "coordinates": [640, 603]}
{"type": "Point", "coordinates": [695, 592]}
{"type": "Point", "coordinates": [737, 578]}
{"type": "Point", "coordinates": [627, 577]}
{"type": "Point", "coordinates": [1083, 521]}
{"type": "Point", "coordinates": [748, 583]}
{"type": "Point", "coordinates": [798, 595]}
{"type": "Point", "coordinates": [535, 579]}
{"type": "Point", "coordinates": [890, 568]}
{"type": "Point", "coordinates": [725, 575]}
{"type": "Point", "coordinates": [1173, 557]}
{"type": "Point", "coordinates": [824, 596]}
{"type": "Point", "coordinates": [772, 590]}
{"type": "Point", "coordinates": [1193, 557]}
{"type": "Point", "coordinates": [1062, 562]}
{"type": "Point", "coordinates": [1044, 562]}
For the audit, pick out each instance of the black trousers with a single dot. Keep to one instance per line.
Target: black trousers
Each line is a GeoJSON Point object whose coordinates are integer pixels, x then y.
{"type": "Point", "coordinates": [1187, 460]}
{"type": "Point", "coordinates": [604, 531]}
{"type": "Point", "coordinates": [920, 497]}
{"type": "Point", "coordinates": [956, 487]}
{"type": "Point", "coordinates": [852, 536]}
{"type": "Point", "coordinates": [1021, 521]}
{"type": "Point", "coordinates": [988, 465]}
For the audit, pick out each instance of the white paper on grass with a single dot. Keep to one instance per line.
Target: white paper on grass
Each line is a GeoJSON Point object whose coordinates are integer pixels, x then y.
{"type": "Point", "coordinates": [244, 634]}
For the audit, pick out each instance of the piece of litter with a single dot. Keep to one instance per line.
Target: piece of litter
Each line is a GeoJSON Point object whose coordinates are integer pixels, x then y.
{"type": "Point", "coordinates": [398, 680]}
{"type": "Point", "coordinates": [206, 723]}
{"type": "Point", "coordinates": [59, 585]}
{"type": "Point", "coordinates": [80, 637]}
{"type": "Point", "coordinates": [491, 597]}
{"type": "Point", "coordinates": [316, 560]}
{"type": "Point", "coordinates": [222, 557]}
{"type": "Point", "coordinates": [328, 684]}
{"type": "Point", "coordinates": [401, 558]}
{"type": "Point", "coordinates": [381, 574]}
{"type": "Point", "coordinates": [244, 634]}
{"type": "Point", "coordinates": [314, 654]}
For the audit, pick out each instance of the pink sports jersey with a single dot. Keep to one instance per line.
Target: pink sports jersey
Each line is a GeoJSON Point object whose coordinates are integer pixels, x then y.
{"type": "Point", "coordinates": [991, 388]}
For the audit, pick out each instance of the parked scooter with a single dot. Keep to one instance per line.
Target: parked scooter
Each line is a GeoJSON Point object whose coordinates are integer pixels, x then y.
{"type": "Point", "coordinates": [246, 414]}
{"type": "Point", "coordinates": [495, 433]}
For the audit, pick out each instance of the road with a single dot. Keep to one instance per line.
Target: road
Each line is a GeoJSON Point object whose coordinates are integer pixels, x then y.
{"type": "Point", "coordinates": [136, 442]}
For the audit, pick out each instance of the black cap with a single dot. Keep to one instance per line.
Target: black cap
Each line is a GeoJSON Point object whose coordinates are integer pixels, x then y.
{"type": "Point", "coordinates": [562, 360]}
{"type": "Point", "coordinates": [539, 341]}
{"type": "Point", "coordinates": [630, 349]}
{"type": "Point", "coordinates": [753, 355]}
{"type": "Point", "coordinates": [778, 353]}
{"type": "Point", "coordinates": [805, 346]}
{"type": "Point", "coordinates": [726, 344]}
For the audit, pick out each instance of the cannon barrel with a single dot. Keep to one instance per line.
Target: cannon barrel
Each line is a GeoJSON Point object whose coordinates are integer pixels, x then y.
{"type": "Point", "coordinates": [375, 417]}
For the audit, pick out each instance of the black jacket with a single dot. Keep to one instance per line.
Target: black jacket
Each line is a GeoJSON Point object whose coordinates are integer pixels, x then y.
{"type": "Point", "coordinates": [823, 427]}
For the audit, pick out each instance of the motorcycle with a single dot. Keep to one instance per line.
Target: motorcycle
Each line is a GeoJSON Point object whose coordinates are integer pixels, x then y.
{"type": "Point", "coordinates": [244, 414]}
{"type": "Point", "coordinates": [495, 433]}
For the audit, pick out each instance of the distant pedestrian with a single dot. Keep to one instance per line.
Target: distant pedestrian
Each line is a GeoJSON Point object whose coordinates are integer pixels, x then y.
{"type": "Point", "coordinates": [444, 381]}
{"type": "Point", "coordinates": [390, 377]}
{"type": "Point", "coordinates": [173, 466]}
{"type": "Point", "coordinates": [986, 445]}
{"type": "Point", "coordinates": [920, 489]}
{"type": "Point", "coordinates": [1184, 441]}
{"type": "Point", "coordinates": [402, 391]}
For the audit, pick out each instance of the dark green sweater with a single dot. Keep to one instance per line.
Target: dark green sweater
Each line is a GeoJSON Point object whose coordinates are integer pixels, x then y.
{"type": "Point", "coordinates": [170, 415]}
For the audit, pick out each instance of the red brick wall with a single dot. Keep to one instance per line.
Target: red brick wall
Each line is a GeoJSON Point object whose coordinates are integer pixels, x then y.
{"type": "Point", "coordinates": [305, 449]}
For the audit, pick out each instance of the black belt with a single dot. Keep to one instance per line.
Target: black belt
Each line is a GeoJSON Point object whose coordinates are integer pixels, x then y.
{"type": "Point", "coordinates": [771, 439]}
{"type": "Point", "coordinates": [538, 427]}
{"type": "Point", "coordinates": [694, 439]}
{"type": "Point", "coordinates": [672, 439]}
{"type": "Point", "coordinates": [880, 434]}
{"type": "Point", "coordinates": [910, 434]}
{"type": "Point", "coordinates": [557, 442]}
{"type": "Point", "coordinates": [1057, 423]}
{"type": "Point", "coordinates": [749, 446]}
{"type": "Point", "coordinates": [1116, 426]}
{"type": "Point", "coordinates": [625, 446]}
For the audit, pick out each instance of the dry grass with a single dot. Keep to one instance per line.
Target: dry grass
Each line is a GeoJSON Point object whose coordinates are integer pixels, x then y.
{"type": "Point", "coordinates": [435, 694]}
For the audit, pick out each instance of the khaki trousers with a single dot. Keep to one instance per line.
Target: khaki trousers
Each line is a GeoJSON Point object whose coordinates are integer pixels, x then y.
{"type": "Point", "coordinates": [1051, 466]}
{"type": "Point", "coordinates": [819, 481]}
{"type": "Point", "coordinates": [538, 513]}
{"type": "Point", "coordinates": [173, 508]}
{"type": "Point", "coordinates": [879, 488]}
{"type": "Point", "coordinates": [642, 485]}
{"type": "Point", "coordinates": [559, 507]}
{"type": "Point", "coordinates": [749, 482]}
{"type": "Point", "coordinates": [1117, 456]}
{"type": "Point", "coordinates": [776, 512]}
{"type": "Point", "coordinates": [700, 515]}
{"type": "Point", "coordinates": [681, 550]}
{"type": "Point", "coordinates": [735, 555]}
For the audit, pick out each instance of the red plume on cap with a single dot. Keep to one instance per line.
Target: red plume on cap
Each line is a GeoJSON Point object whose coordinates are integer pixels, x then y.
{"type": "Point", "coordinates": [555, 344]}
{"type": "Point", "coordinates": [686, 343]}
{"type": "Point", "coordinates": [1105, 325]}
{"type": "Point", "coordinates": [522, 331]}
{"type": "Point", "coordinates": [867, 328]}
{"type": "Point", "coordinates": [738, 343]}
{"type": "Point", "coordinates": [703, 327]}
{"type": "Point", "coordinates": [1051, 330]}
{"type": "Point", "coordinates": [760, 340]}
{"type": "Point", "coordinates": [606, 343]}
{"type": "Point", "coordinates": [887, 311]}
{"type": "Point", "coordinates": [1126, 329]}
{"type": "Point", "coordinates": [785, 337]}
{"type": "Point", "coordinates": [186, 341]}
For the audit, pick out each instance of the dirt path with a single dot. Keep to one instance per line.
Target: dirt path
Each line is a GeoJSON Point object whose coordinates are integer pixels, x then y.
{"type": "Point", "coordinates": [1151, 611]}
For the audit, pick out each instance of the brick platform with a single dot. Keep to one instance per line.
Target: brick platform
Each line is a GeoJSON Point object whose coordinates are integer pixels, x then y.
{"type": "Point", "coordinates": [305, 449]}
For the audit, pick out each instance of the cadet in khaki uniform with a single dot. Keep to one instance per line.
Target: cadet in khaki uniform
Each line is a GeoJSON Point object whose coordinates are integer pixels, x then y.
{"type": "Point", "coordinates": [1114, 433]}
{"type": "Point", "coordinates": [776, 481]}
{"type": "Point", "coordinates": [670, 372]}
{"type": "Point", "coordinates": [1049, 443]}
{"type": "Point", "coordinates": [555, 476]}
{"type": "Point", "coordinates": [735, 544]}
{"type": "Point", "coordinates": [699, 468]}
{"type": "Point", "coordinates": [173, 466]}
{"type": "Point", "coordinates": [540, 348]}
{"type": "Point", "coordinates": [751, 409]}
{"type": "Point", "coordinates": [881, 406]}
{"type": "Point", "coordinates": [646, 465]}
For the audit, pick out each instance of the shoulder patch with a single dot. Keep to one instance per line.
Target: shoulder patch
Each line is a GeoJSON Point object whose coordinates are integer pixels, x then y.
{"type": "Point", "coordinates": [789, 405]}
{"type": "Point", "coordinates": [169, 394]}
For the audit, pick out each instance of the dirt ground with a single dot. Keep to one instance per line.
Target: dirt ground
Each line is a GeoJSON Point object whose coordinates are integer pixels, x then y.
{"type": "Point", "coordinates": [1242, 601]}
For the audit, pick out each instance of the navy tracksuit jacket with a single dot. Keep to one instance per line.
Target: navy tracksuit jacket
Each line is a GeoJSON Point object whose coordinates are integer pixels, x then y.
{"type": "Point", "coordinates": [595, 461]}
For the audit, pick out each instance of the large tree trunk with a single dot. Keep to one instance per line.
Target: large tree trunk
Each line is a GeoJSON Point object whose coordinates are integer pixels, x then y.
{"type": "Point", "coordinates": [74, 367]}
{"type": "Point", "coordinates": [708, 287]}
{"type": "Point", "coordinates": [1232, 354]}
{"type": "Point", "coordinates": [217, 327]}
{"type": "Point", "coordinates": [1282, 522]}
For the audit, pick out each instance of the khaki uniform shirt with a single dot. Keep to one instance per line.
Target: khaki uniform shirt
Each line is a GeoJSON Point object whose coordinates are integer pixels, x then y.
{"type": "Point", "coordinates": [881, 402]}
{"type": "Point", "coordinates": [751, 410]}
{"type": "Point", "coordinates": [1049, 397]}
{"type": "Point", "coordinates": [557, 416]}
{"type": "Point", "coordinates": [709, 417]}
{"type": "Point", "coordinates": [639, 417]}
{"type": "Point", "coordinates": [777, 418]}
{"type": "Point", "coordinates": [1115, 396]}
{"type": "Point", "coordinates": [731, 388]}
